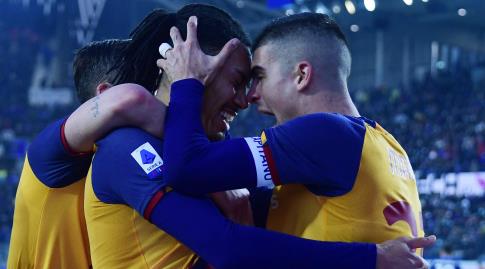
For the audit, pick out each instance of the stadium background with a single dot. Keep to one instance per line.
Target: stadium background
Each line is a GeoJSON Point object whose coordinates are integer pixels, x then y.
{"type": "Point", "coordinates": [418, 69]}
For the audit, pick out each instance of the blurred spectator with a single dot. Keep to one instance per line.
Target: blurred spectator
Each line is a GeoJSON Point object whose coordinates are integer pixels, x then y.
{"type": "Point", "coordinates": [439, 121]}
{"type": "Point", "coordinates": [459, 224]}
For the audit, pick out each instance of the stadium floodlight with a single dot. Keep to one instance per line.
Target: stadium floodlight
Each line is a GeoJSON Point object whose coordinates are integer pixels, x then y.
{"type": "Point", "coordinates": [336, 9]}
{"type": "Point", "coordinates": [289, 12]}
{"type": "Point", "coordinates": [240, 4]}
{"type": "Point", "coordinates": [408, 2]}
{"type": "Point", "coordinates": [370, 5]}
{"type": "Point", "coordinates": [349, 5]}
{"type": "Point", "coordinates": [354, 28]}
{"type": "Point", "coordinates": [322, 9]}
{"type": "Point", "coordinates": [304, 9]}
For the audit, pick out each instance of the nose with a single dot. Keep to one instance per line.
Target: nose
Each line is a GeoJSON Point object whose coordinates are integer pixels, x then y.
{"type": "Point", "coordinates": [240, 100]}
{"type": "Point", "coordinates": [252, 96]}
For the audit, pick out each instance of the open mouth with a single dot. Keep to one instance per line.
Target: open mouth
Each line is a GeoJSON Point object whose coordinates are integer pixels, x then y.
{"type": "Point", "coordinates": [227, 118]}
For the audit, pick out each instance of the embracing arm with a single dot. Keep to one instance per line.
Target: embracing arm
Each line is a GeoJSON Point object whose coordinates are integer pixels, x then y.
{"type": "Point", "coordinates": [120, 105]}
{"type": "Point", "coordinates": [224, 244]}
{"type": "Point", "coordinates": [194, 165]}
{"type": "Point", "coordinates": [320, 150]}
{"type": "Point", "coordinates": [61, 153]}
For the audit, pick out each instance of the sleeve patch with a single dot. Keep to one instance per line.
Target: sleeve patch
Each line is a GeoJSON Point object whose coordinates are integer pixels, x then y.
{"type": "Point", "coordinates": [149, 160]}
{"type": "Point", "coordinates": [262, 168]}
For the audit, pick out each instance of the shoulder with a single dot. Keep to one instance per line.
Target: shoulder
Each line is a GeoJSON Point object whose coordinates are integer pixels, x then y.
{"type": "Point", "coordinates": [126, 138]}
{"type": "Point", "coordinates": [322, 126]}
{"type": "Point", "coordinates": [50, 160]}
{"type": "Point", "coordinates": [326, 121]}
{"type": "Point", "coordinates": [127, 147]}
{"type": "Point", "coordinates": [127, 168]}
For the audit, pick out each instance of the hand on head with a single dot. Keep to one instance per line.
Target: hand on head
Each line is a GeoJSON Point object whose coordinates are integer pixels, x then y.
{"type": "Point", "coordinates": [187, 60]}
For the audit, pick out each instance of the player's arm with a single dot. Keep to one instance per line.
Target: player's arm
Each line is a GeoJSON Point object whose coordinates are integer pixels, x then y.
{"type": "Point", "coordinates": [321, 150]}
{"type": "Point", "coordinates": [121, 105]}
{"type": "Point", "coordinates": [195, 165]}
{"type": "Point", "coordinates": [126, 170]}
{"type": "Point", "coordinates": [51, 160]}
{"type": "Point", "coordinates": [62, 152]}
{"type": "Point", "coordinates": [224, 244]}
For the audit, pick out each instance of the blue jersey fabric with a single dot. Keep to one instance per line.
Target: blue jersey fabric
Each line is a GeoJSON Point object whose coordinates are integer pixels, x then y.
{"type": "Point", "coordinates": [321, 151]}
{"type": "Point", "coordinates": [51, 161]}
{"type": "Point", "coordinates": [118, 177]}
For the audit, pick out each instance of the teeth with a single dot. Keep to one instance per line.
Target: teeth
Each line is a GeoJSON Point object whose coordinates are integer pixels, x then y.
{"type": "Point", "coordinates": [227, 117]}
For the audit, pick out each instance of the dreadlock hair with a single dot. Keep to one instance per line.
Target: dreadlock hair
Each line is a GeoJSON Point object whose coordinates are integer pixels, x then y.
{"type": "Point", "coordinates": [92, 65]}
{"type": "Point", "coordinates": [215, 28]}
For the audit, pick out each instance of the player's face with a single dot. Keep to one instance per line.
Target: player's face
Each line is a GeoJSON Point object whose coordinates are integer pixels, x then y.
{"type": "Point", "coordinates": [270, 86]}
{"type": "Point", "coordinates": [226, 95]}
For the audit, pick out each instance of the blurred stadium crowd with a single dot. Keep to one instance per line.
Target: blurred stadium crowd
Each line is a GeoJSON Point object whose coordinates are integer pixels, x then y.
{"type": "Point", "coordinates": [439, 120]}
{"type": "Point", "coordinates": [19, 121]}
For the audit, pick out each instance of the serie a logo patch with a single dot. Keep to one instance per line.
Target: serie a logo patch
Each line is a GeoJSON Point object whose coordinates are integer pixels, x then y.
{"type": "Point", "coordinates": [148, 159]}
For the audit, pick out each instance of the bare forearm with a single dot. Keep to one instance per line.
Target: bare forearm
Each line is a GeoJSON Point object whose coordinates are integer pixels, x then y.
{"type": "Point", "coordinates": [122, 105]}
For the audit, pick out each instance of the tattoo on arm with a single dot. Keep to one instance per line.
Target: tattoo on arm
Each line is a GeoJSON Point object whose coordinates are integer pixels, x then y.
{"type": "Point", "coordinates": [95, 107]}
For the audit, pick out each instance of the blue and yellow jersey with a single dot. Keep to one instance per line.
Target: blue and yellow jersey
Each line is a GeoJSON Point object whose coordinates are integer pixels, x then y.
{"type": "Point", "coordinates": [352, 182]}
{"type": "Point", "coordinates": [49, 229]}
{"type": "Point", "coordinates": [117, 206]}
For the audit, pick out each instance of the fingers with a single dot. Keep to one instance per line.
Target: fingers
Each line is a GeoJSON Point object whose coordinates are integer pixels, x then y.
{"type": "Point", "coordinates": [192, 30]}
{"type": "Point", "coordinates": [421, 242]}
{"type": "Point", "coordinates": [417, 261]}
{"type": "Point", "coordinates": [226, 51]}
{"type": "Point", "coordinates": [175, 35]}
{"type": "Point", "coordinates": [161, 63]}
{"type": "Point", "coordinates": [425, 264]}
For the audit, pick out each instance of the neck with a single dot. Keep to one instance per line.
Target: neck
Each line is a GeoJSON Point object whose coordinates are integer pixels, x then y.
{"type": "Point", "coordinates": [330, 100]}
{"type": "Point", "coordinates": [163, 92]}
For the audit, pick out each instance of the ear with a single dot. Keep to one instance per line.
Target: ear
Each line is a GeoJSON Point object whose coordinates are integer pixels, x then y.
{"type": "Point", "coordinates": [303, 75]}
{"type": "Point", "coordinates": [103, 86]}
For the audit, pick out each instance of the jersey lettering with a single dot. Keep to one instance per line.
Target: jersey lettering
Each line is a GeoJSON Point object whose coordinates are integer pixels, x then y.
{"type": "Point", "coordinates": [261, 163]}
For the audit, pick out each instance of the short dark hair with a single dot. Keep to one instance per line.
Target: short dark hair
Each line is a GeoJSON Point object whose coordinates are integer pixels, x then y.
{"type": "Point", "coordinates": [313, 36]}
{"type": "Point", "coordinates": [313, 23]}
{"type": "Point", "coordinates": [214, 29]}
{"type": "Point", "coordinates": [93, 64]}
